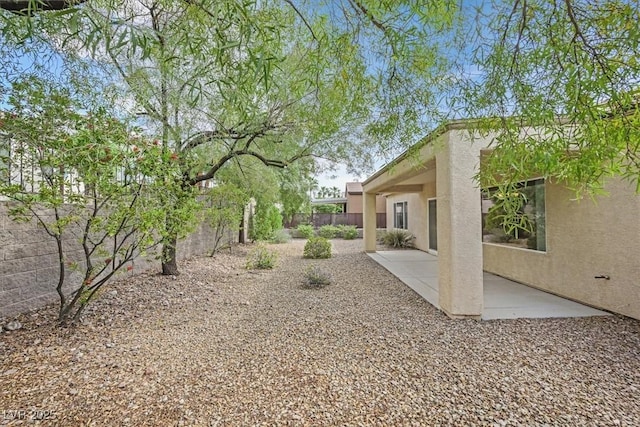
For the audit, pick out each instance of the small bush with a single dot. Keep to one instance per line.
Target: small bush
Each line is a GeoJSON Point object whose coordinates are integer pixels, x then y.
{"type": "Point", "coordinates": [315, 277]}
{"type": "Point", "coordinates": [349, 232]}
{"type": "Point", "coordinates": [266, 221]}
{"type": "Point", "coordinates": [261, 258]}
{"type": "Point", "coordinates": [317, 247]}
{"type": "Point", "coordinates": [398, 239]}
{"type": "Point", "coordinates": [329, 231]}
{"type": "Point", "coordinates": [306, 231]}
{"type": "Point", "coordinates": [280, 236]}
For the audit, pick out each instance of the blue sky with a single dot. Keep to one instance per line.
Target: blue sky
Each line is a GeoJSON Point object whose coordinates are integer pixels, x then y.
{"type": "Point", "coordinates": [336, 178]}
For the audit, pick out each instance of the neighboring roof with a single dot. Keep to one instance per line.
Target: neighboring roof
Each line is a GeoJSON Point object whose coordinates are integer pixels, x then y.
{"type": "Point", "coordinates": [331, 201]}
{"type": "Point", "coordinates": [354, 188]}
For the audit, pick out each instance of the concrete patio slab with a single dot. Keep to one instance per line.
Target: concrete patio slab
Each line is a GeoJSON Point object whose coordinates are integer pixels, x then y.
{"type": "Point", "coordinates": [503, 298]}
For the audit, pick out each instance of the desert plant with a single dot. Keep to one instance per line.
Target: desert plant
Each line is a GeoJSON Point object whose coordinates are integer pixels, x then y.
{"type": "Point", "coordinates": [261, 258]}
{"type": "Point", "coordinates": [87, 183]}
{"type": "Point", "coordinates": [315, 277]}
{"type": "Point", "coordinates": [224, 211]}
{"type": "Point", "coordinates": [266, 222]}
{"type": "Point", "coordinates": [398, 239]}
{"type": "Point", "coordinates": [349, 232]}
{"type": "Point", "coordinates": [306, 230]}
{"type": "Point", "coordinates": [280, 236]}
{"type": "Point", "coordinates": [317, 247]}
{"type": "Point", "coordinates": [329, 231]}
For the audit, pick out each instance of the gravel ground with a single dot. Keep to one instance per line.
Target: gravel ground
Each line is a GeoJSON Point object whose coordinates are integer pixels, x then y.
{"type": "Point", "coordinates": [221, 345]}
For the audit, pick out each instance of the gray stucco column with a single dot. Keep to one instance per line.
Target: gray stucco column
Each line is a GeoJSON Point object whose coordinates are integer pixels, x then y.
{"type": "Point", "coordinates": [369, 221]}
{"type": "Point", "coordinates": [459, 227]}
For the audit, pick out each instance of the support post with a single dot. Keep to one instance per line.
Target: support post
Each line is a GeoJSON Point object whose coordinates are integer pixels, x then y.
{"type": "Point", "coordinates": [459, 221]}
{"type": "Point", "coordinates": [369, 221]}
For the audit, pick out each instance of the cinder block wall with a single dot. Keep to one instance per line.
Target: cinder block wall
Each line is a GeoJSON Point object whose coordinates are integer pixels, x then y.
{"type": "Point", "coordinates": [29, 262]}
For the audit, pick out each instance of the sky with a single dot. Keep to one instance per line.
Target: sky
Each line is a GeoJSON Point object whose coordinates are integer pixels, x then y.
{"type": "Point", "coordinates": [338, 178]}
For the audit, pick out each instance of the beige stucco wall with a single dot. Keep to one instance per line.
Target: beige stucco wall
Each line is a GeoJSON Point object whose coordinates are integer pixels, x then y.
{"type": "Point", "coordinates": [460, 276]}
{"type": "Point", "coordinates": [584, 239]}
{"type": "Point", "coordinates": [417, 213]}
{"type": "Point", "coordinates": [355, 205]}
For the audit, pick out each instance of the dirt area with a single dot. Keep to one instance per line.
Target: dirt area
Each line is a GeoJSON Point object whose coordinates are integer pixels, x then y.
{"type": "Point", "coordinates": [222, 345]}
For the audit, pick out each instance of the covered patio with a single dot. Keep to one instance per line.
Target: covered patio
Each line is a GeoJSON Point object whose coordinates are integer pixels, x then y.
{"type": "Point", "coordinates": [502, 298]}
{"type": "Point", "coordinates": [432, 193]}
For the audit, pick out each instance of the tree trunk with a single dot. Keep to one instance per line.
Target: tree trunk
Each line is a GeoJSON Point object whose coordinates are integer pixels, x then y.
{"type": "Point", "coordinates": [169, 260]}
{"type": "Point", "coordinates": [241, 231]}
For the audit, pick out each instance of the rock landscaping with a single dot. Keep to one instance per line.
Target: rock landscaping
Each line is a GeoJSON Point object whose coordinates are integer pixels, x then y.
{"type": "Point", "coordinates": [224, 345]}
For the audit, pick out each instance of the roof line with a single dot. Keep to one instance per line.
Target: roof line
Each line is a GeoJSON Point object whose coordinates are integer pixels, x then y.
{"type": "Point", "coordinates": [438, 131]}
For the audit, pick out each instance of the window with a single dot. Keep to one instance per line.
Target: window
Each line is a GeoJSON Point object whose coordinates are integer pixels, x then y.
{"type": "Point", "coordinates": [400, 215]}
{"type": "Point", "coordinates": [517, 220]}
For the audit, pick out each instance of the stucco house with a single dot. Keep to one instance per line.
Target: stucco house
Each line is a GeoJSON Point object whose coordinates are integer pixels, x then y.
{"type": "Point", "coordinates": [581, 250]}
{"type": "Point", "coordinates": [353, 192]}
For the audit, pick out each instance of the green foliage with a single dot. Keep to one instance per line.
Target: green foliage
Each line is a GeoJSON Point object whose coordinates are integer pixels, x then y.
{"type": "Point", "coordinates": [398, 239]}
{"type": "Point", "coordinates": [280, 236]}
{"type": "Point", "coordinates": [224, 211]}
{"type": "Point", "coordinates": [86, 182]}
{"type": "Point", "coordinates": [508, 213]}
{"type": "Point", "coordinates": [568, 72]}
{"type": "Point", "coordinates": [327, 208]}
{"type": "Point", "coordinates": [294, 186]}
{"type": "Point", "coordinates": [329, 231]}
{"type": "Point", "coordinates": [221, 80]}
{"type": "Point", "coordinates": [267, 221]}
{"type": "Point", "coordinates": [349, 232]}
{"type": "Point", "coordinates": [317, 248]}
{"type": "Point", "coordinates": [261, 258]}
{"type": "Point", "coordinates": [315, 277]}
{"type": "Point", "coordinates": [306, 230]}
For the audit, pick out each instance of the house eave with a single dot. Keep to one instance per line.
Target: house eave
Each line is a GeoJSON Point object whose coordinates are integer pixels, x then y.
{"type": "Point", "coordinates": [430, 137]}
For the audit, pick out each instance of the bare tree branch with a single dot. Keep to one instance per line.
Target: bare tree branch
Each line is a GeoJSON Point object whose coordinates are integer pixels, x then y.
{"type": "Point", "coordinates": [304, 20]}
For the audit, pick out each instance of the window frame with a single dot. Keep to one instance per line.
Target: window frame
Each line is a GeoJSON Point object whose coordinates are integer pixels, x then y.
{"type": "Point", "coordinates": [404, 214]}
{"type": "Point", "coordinates": [528, 183]}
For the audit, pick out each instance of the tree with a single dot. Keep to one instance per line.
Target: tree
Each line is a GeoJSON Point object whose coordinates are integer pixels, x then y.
{"type": "Point", "coordinates": [569, 71]}
{"type": "Point", "coordinates": [294, 185]}
{"type": "Point", "coordinates": [32, 6]}
{"type": "Point", "coordinates": [218, 80]}
{"type": "Point", "coordinates": [241, 91]}
{"type": "Point", "coordinates": [266, 221]}
{"type": "Point", "coordinates": [83, 178]}
{"type": "Point", "coordinates": [327, 208]}
{"type": "Point", "coordinates": [224, 211]}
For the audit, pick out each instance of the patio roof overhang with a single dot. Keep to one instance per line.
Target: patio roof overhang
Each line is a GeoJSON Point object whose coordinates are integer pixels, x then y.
{"type": "Point", "coordinates": [415, 166]}
{"type": "Point", "coordinates": [404, 175]}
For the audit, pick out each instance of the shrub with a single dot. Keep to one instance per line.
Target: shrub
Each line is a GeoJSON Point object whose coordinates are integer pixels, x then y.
{"type": "Point", "coordinates": [349, 232]}
{"type": "Point", "coordinates": [280, 236]}
{"type": "Point", "coordinates": [266, 222]}
{"type": "Point", "coordinates": [398, 239]}
{"type": "Point", "coordinates": [315, 277]}
{"type": "Point", "coordinates": [328, 231]}
{"type": "Point", "coordinates": [261, 258]}
{"type": "Point", "coordinates": [306, 230]}
{"type": "Point", "coordinates": [317, 247]}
